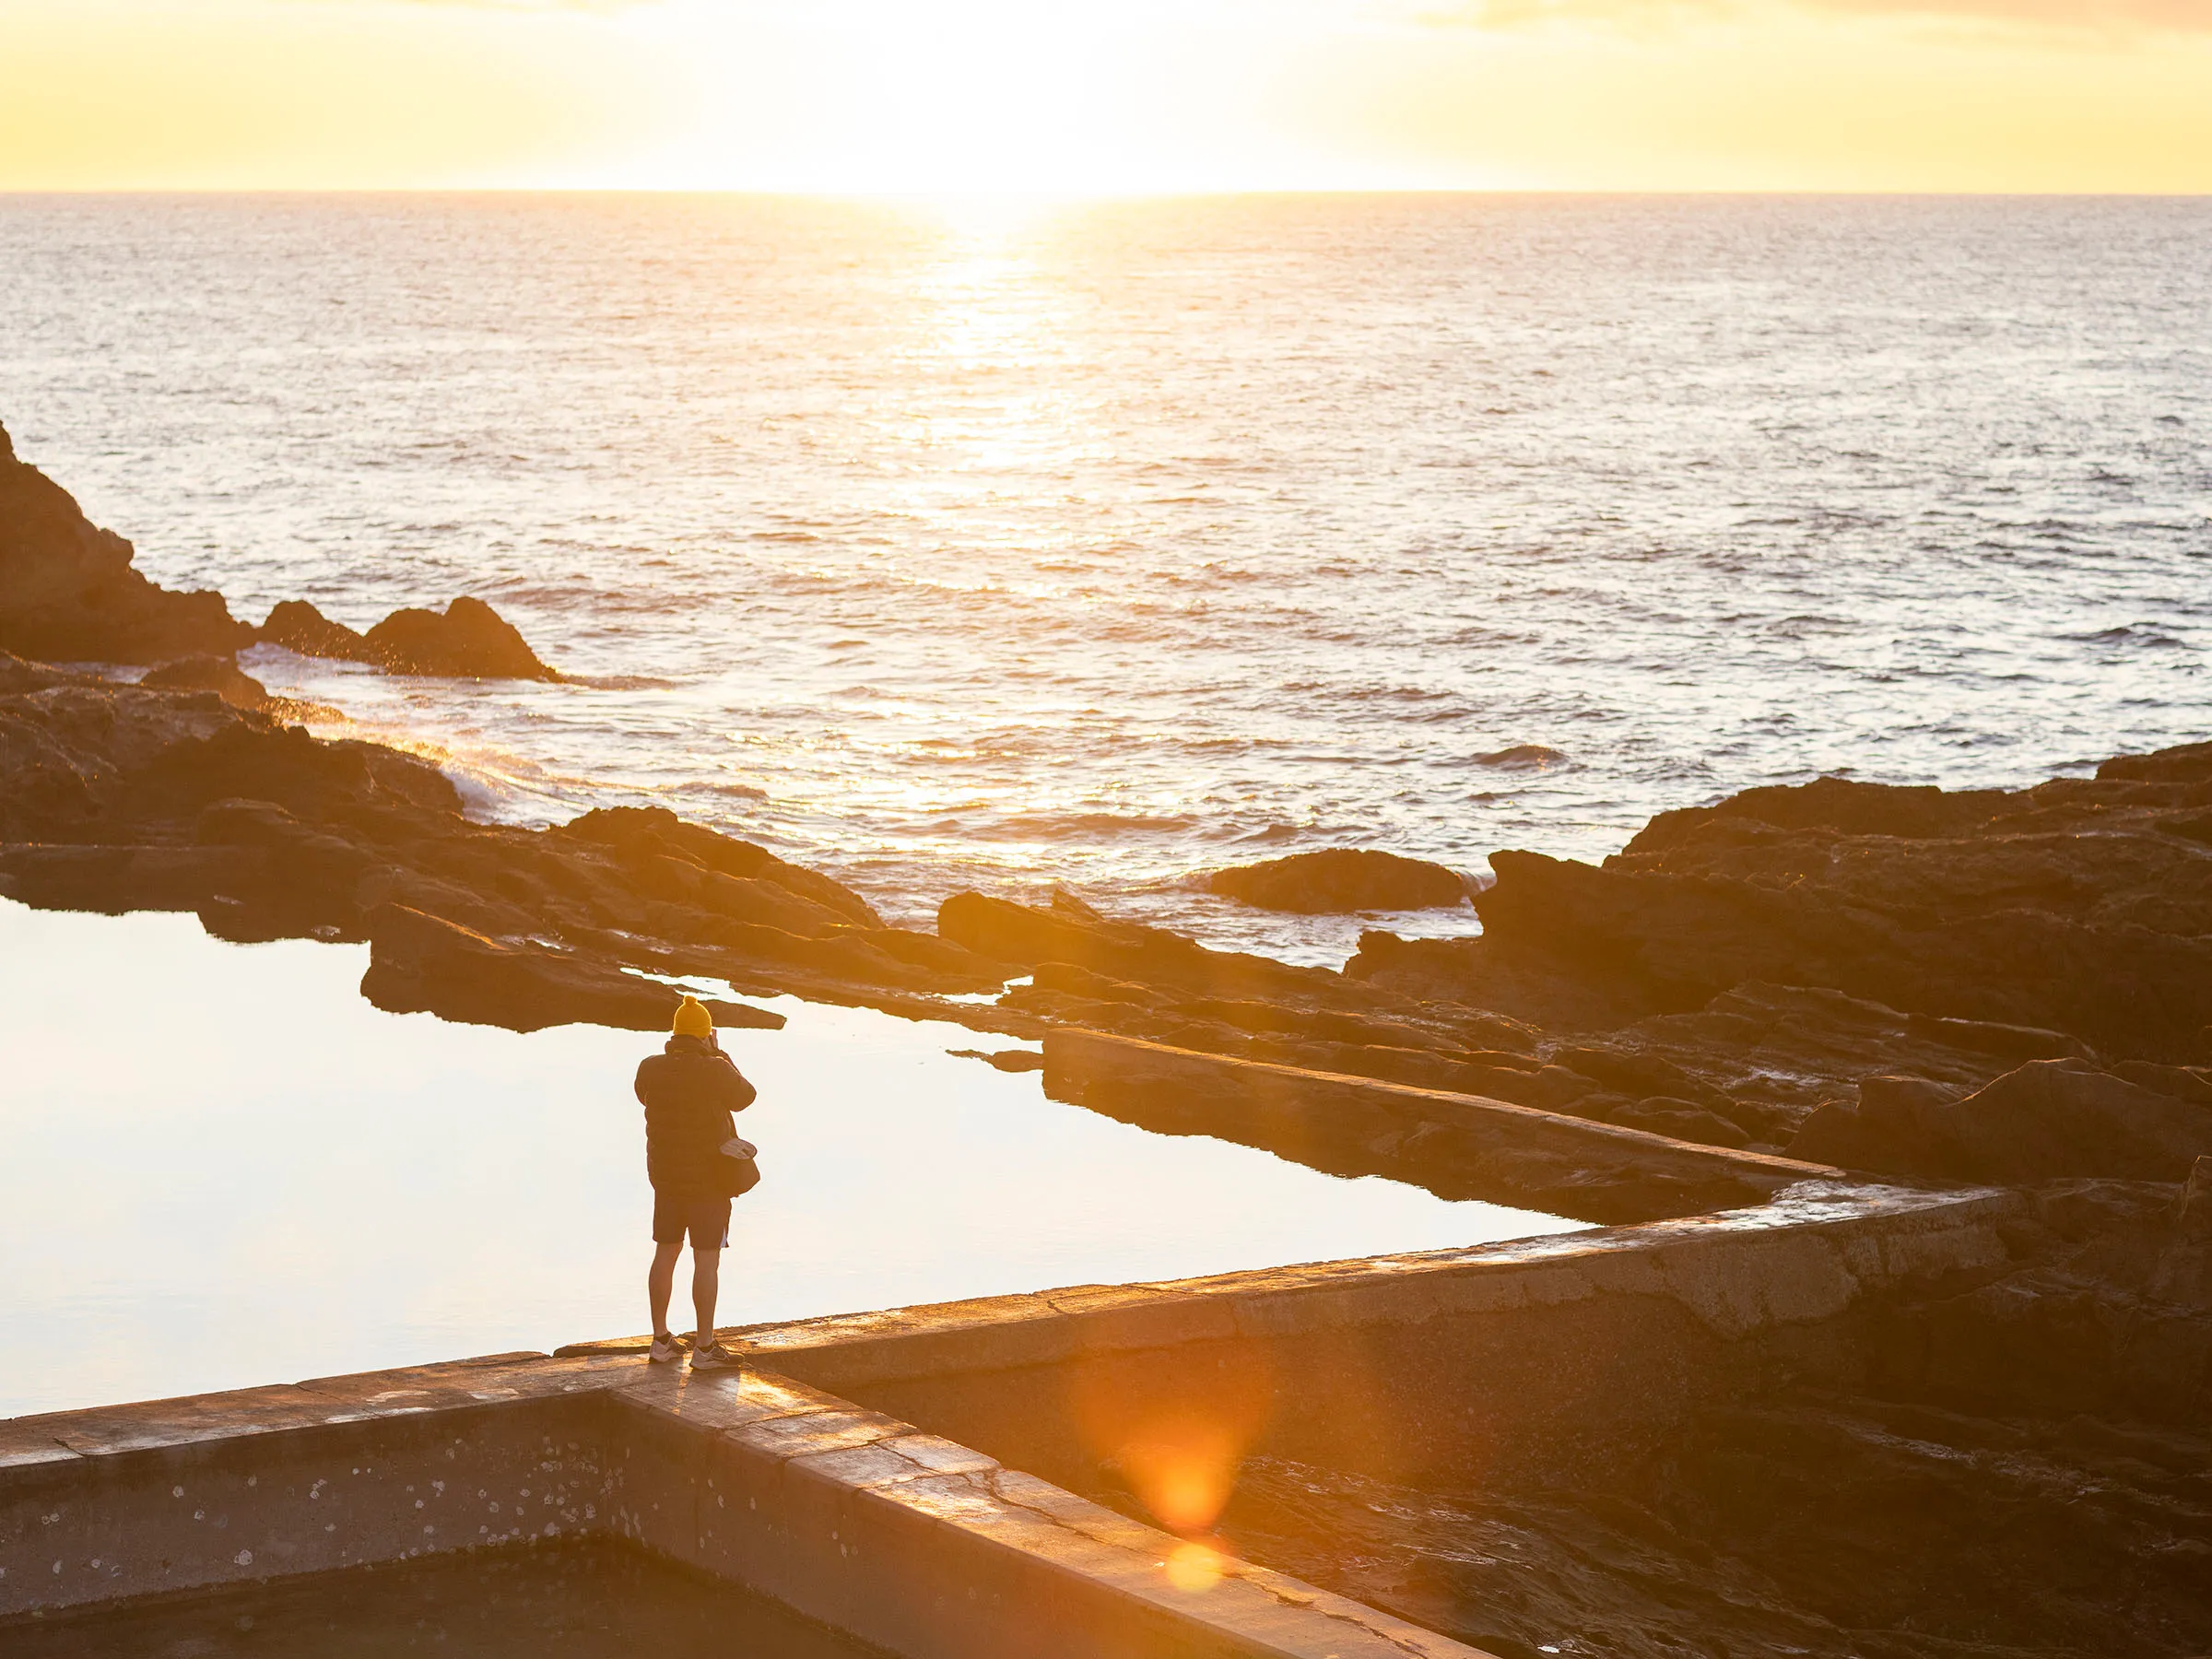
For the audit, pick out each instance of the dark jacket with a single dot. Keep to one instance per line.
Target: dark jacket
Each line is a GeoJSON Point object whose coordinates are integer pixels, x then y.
{"type": "Point", "coordinates": [690, 1091]}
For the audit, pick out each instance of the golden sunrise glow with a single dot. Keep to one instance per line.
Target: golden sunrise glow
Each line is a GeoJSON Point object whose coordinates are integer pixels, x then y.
{"type": "Point", "coordinates": [1019, 97]}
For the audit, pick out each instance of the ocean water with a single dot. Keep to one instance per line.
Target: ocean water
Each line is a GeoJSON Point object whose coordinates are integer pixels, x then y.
{"type": "Point", "coordinates": [1005, 547]}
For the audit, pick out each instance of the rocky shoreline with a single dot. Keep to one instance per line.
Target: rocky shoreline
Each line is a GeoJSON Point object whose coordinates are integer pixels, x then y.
{"type": "Point", "coordinates": [1840, 970]}
{"type": "Point", "coordinates": [2003, 987]}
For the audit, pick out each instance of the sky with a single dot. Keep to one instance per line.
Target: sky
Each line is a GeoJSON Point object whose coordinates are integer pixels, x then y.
{"type": "Point", "coordinates": [1035, 97]}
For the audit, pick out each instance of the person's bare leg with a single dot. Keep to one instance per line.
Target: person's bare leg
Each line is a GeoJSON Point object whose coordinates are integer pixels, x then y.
{"type": "Point", "coordinates": [660, 1284]}
{"type": "Point", "coordinates": [706, 1279]}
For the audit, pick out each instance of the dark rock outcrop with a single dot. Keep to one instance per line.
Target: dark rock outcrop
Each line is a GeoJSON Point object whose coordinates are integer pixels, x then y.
{"type": "Point", "coordinates": [468, 641]}
{"type": "Point", "coordinates": [655, 832]}
{"type": "Point", "coordinates": [1073, 934]}
{"type": "Point", "coordinates": [120, 796]}
{"type": "Point", "coordinates": [421, 962]}
{"type": "Point", "coordinates": [1341, 880]}
{"type": "Point", "coordinates": [2049, 1120]}
{"type": "Point", "coordinates": [68, 592]}
{"type": "Point", "coordinates": [1457, 1148]}
{"type": "Point", "coordinates": [298, 627]}
{"type": "Point", "coordinates": [223, 676]}
{"type": "Point", "coordinates": [1843, 951]}
{"type": "Point", "coordinates": [1743, 1071]}
{"type": "Point", "coordinates": [2080, 908]}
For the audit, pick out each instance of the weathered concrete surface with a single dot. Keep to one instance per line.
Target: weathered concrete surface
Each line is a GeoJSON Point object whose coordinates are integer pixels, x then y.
{"type": "Point", "coordinates": [586, 1597]}
{"type": "Point", "coordinates": [910, 1507]}
{"type": "Point", "coordinates": [906, 1540]}
{"type": "Point", "coordinates": [926, 1547]}
{"type": "Point", "coordinates": [221, 1489]}
{"type": "Point", "coordinates": [1458, 1145]}
{"type": "Point", "coordinates": [1537, 1362]}
{"type": "Point", "coordinates": [880, 1519]}
{"type": "Point", "coordinates": [1533, 1355]}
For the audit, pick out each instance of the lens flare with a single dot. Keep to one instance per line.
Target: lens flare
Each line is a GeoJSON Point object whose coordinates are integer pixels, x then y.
{"type": "Point", "coordinates": [1178, 1438]}
{"type": "Point", "coordinates": [1187, 1474]}
{"type": "Point", "coordinates": [1194, 1569]}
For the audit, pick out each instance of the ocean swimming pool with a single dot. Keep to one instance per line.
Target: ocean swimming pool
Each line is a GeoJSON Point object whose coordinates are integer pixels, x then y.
{"type": "Point", "coordinates": [219, 1166]}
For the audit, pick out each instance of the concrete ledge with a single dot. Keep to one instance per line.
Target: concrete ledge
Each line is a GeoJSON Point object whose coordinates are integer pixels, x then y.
{"type": "Point", "coordinates": [1458, 1145]}
{"type": "Point", "coordinates": [1537, 1355]}
{"type": "Point", "coordinates": [1804, 1256]}
{"type": "Point", "coordinates": [921, 1546]}
{"type": "Point", "coordinates": [905, 1539]}
{"type": "Point", "coordinates": [153, 1501]}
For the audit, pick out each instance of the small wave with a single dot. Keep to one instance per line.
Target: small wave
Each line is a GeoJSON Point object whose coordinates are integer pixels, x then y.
{"type": "Point", "coordinates": [2138, 634]}
{"type": "Point", "coordinates": [623, 682]}
{"type": "Point", "coordinates": [1066, 825]}
{"type": "Point", "coordinates": [1523, 757]}
{"type": "Point", "coordinates": [552, 597]}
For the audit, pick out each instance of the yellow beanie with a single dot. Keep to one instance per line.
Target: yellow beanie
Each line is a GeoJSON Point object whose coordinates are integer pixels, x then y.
{"type": "Point", "coordinates": [692, 1018]}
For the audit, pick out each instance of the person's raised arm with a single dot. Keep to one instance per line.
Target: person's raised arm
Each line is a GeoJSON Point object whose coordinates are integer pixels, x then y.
{"type": "Point", "coordinates": [738, 1090]}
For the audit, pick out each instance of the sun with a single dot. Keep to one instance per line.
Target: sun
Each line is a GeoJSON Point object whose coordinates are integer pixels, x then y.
{"type": "Point", "coordinates": [1004, 102]}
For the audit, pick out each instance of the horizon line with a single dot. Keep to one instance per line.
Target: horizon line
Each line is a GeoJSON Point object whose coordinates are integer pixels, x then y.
{"type": "Point", "coordinates": [1079, 197]}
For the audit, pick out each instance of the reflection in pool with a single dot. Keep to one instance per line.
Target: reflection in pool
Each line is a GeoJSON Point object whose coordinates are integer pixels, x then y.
{"type": "Point", "coordinates": [220, 1167]}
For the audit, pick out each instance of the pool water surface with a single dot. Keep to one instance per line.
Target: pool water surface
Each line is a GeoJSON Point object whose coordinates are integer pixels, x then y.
{"type": "Point", "coordinates": [220, 1167]}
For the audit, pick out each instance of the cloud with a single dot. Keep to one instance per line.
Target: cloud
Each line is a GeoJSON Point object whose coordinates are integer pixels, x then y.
{"type": "Point", "coordinates": [2098, 17]}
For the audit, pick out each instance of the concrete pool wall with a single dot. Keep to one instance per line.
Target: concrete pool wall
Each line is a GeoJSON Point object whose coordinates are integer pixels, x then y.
{"type": "Point", "coordinates": [900, 1538]}
{"type": "Point", "coordinates": [881, 1473]}
{"type": "Point", "coordinates": [1528, 1354]}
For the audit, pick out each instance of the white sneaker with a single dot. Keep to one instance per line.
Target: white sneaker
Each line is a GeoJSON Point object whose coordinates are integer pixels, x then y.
{"type": "Point", "coordinates": [665, 1350]}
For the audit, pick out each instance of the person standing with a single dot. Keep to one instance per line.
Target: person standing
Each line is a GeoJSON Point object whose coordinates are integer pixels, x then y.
{"type": "Point", "coordinates": [691, 1092]}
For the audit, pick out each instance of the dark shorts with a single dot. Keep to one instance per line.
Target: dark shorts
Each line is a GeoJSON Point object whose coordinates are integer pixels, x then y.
{"type": "Point", "coordinates": [706, 1219]}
